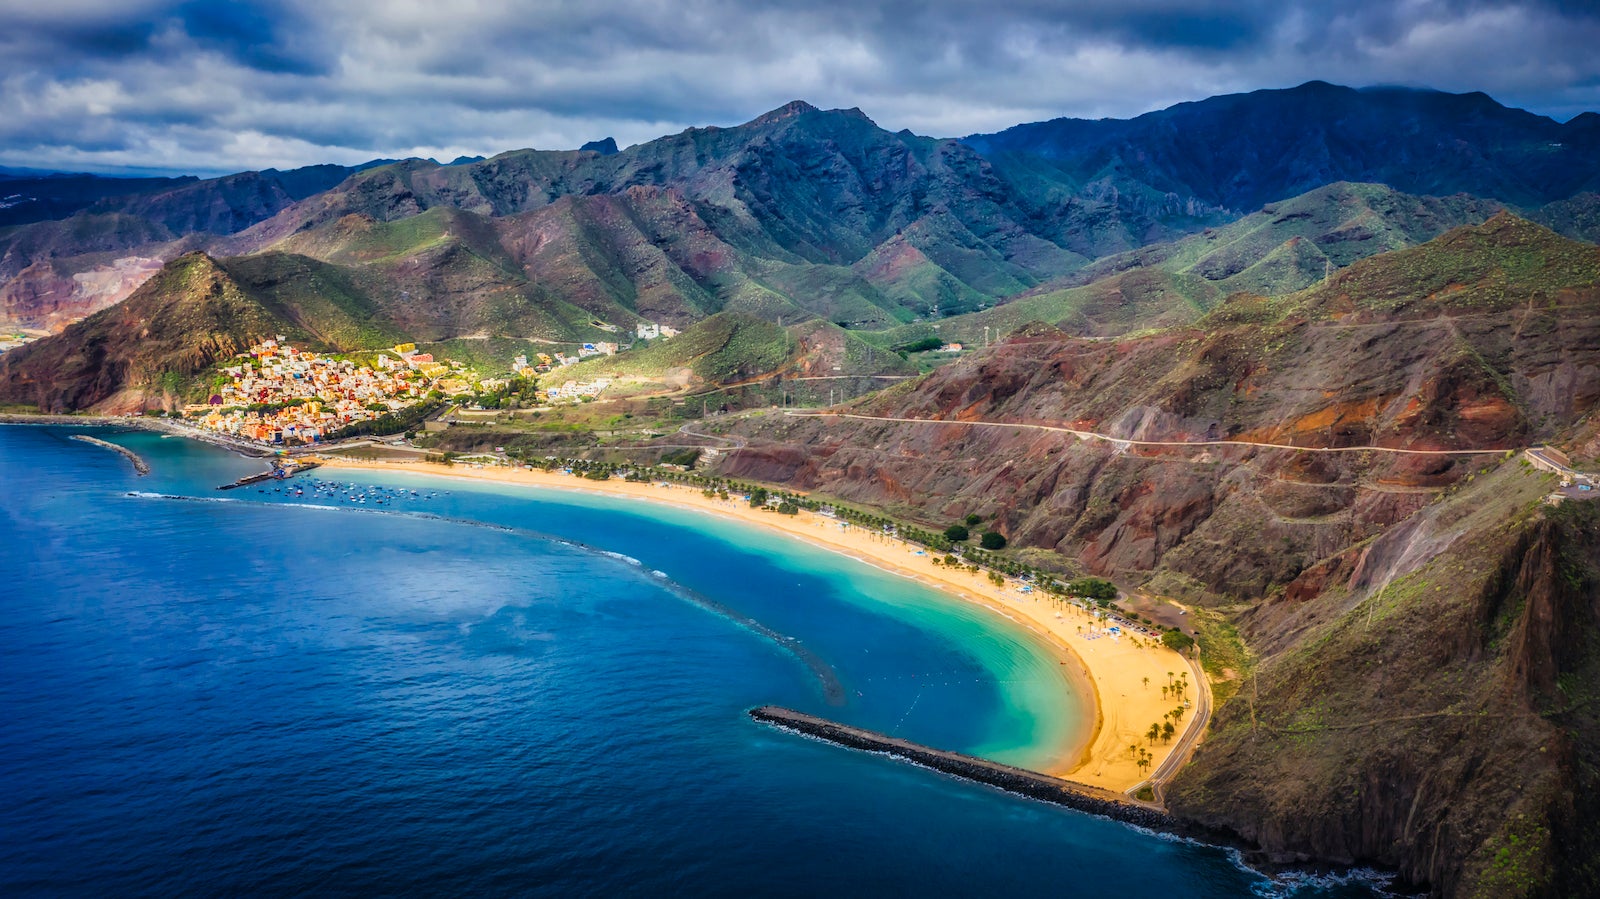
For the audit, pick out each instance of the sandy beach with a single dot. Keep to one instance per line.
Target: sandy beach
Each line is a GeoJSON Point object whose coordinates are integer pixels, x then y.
{"type": "Point", "coordinates": [1123, 676]}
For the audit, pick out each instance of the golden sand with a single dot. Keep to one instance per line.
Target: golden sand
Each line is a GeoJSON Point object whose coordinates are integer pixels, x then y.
{"type": "Point", "coordinates": [1122, 675]}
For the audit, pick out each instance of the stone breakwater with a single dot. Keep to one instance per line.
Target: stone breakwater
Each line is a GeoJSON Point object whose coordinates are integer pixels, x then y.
{"type": "Point", "coordinates": [139, 464]}
{"type": "Point", "coordinates": [1020, 781]}
{"type": "Point", "coordinates": [1079, 797]}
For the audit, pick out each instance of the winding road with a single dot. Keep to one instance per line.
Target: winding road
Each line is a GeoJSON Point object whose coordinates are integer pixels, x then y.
{"type": "Point", "coordinates": [1125, 442]}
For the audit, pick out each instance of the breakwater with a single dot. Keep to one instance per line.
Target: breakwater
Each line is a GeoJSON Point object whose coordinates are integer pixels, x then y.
{"type": "Point", "coordinates": [1020, 781]}
{"type": "Point", "coordinates": [139, 464]}
{"type": "Point", "coordinates": [277, 472]}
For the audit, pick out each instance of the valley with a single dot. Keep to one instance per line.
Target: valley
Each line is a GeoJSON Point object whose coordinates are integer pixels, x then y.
{"type": "Point", "coordinates": [1325, 425]}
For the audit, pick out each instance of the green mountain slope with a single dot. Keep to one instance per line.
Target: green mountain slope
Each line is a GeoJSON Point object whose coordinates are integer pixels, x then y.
{"type": "Point", "coordinates": [1281, 249]}
{"type": "Point", "coordinates": [192, 314]}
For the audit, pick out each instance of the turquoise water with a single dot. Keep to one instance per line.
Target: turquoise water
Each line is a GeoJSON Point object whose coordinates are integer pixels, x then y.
{"type": "Point", "coordinates": [455, 691]}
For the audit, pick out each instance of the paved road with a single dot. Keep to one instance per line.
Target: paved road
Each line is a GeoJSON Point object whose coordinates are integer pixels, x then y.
{"type": "Point", "coordinates": [1179, 756]}
{"type": "Point", "coordinates": [736, 441]}
{"type": "Point", "coordinates": [1124, 442]}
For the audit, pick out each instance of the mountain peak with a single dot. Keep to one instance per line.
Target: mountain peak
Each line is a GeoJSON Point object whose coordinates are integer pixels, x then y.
{"type": "Point", "coordinates": [605, 147]}
{"type": "Point", "coordinates": [787, 111]}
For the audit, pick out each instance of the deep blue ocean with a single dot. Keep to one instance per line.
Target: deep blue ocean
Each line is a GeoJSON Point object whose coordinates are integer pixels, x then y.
{"type": "Point", "coordinates": [366, 690]}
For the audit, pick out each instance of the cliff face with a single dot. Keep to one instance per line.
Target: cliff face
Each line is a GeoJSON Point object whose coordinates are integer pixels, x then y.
{"type": "Point", "coordinates": [1437, 721]}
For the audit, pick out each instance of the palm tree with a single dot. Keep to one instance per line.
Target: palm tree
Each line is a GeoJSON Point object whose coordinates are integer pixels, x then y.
{"type": "Point", "coordinates": [1167, 730]}
{"type": "Point", "coordinates": [1154, 733]}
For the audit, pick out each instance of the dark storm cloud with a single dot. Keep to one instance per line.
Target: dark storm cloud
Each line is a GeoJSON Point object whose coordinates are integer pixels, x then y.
{"type": "Point", "coordinates": [213, 85]}
{"type": "Point", "coordinates": [270, 37]}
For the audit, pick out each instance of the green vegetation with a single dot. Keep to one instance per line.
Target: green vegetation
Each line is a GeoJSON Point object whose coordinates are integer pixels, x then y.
{"type": "Point", "coordinates": [1098, 589]}
{"type": "Point", "coordinates": [318, 299]}
{"type": "Point", "coordinates": [956, 533]}
{"type": "Point", "coordinates": [489, 356]}
{"type": "Point", "coordinates": [393, 423]}
{"type": "Point", "coordinates": [684, 457]}
{"type": "Point", "coordinates": [725, 347]}
{"type": "Point", "coordinates": [921, 345]}
{"type": "Point", "coordinates": [992, 540]}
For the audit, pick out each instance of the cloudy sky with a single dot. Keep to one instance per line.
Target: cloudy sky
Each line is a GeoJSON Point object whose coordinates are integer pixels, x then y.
{"type": "Point", "coordinates": [212, 86]}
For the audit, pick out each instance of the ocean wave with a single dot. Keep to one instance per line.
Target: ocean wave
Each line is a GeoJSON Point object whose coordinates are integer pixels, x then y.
{"type": "Point", "coordinates": [1287, 884]}
{"type": "Point", "coordinates": [145, 494]}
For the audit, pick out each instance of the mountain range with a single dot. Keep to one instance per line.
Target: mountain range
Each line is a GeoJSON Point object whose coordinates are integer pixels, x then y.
{"type": "Point", "coordinates": [1402, 635]}
{"type": "Point", "coordinates": [803, 212]}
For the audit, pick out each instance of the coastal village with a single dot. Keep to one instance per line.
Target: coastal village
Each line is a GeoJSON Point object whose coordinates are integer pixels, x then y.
{"type": "Point", "coordinates": [276, 394]}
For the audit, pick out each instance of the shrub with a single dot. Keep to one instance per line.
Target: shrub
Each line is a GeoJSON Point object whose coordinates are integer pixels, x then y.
{"type": "Point", "coordinates": [920, 346]}
{"type": "Point", "coordinates": [992, 540]}
{"type": "Point", "coordinates": [956, 533]}
{"type": "Point", "coordinates": [685, 457]}
{"type": "Point", "coordinates": [1093, 588]}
